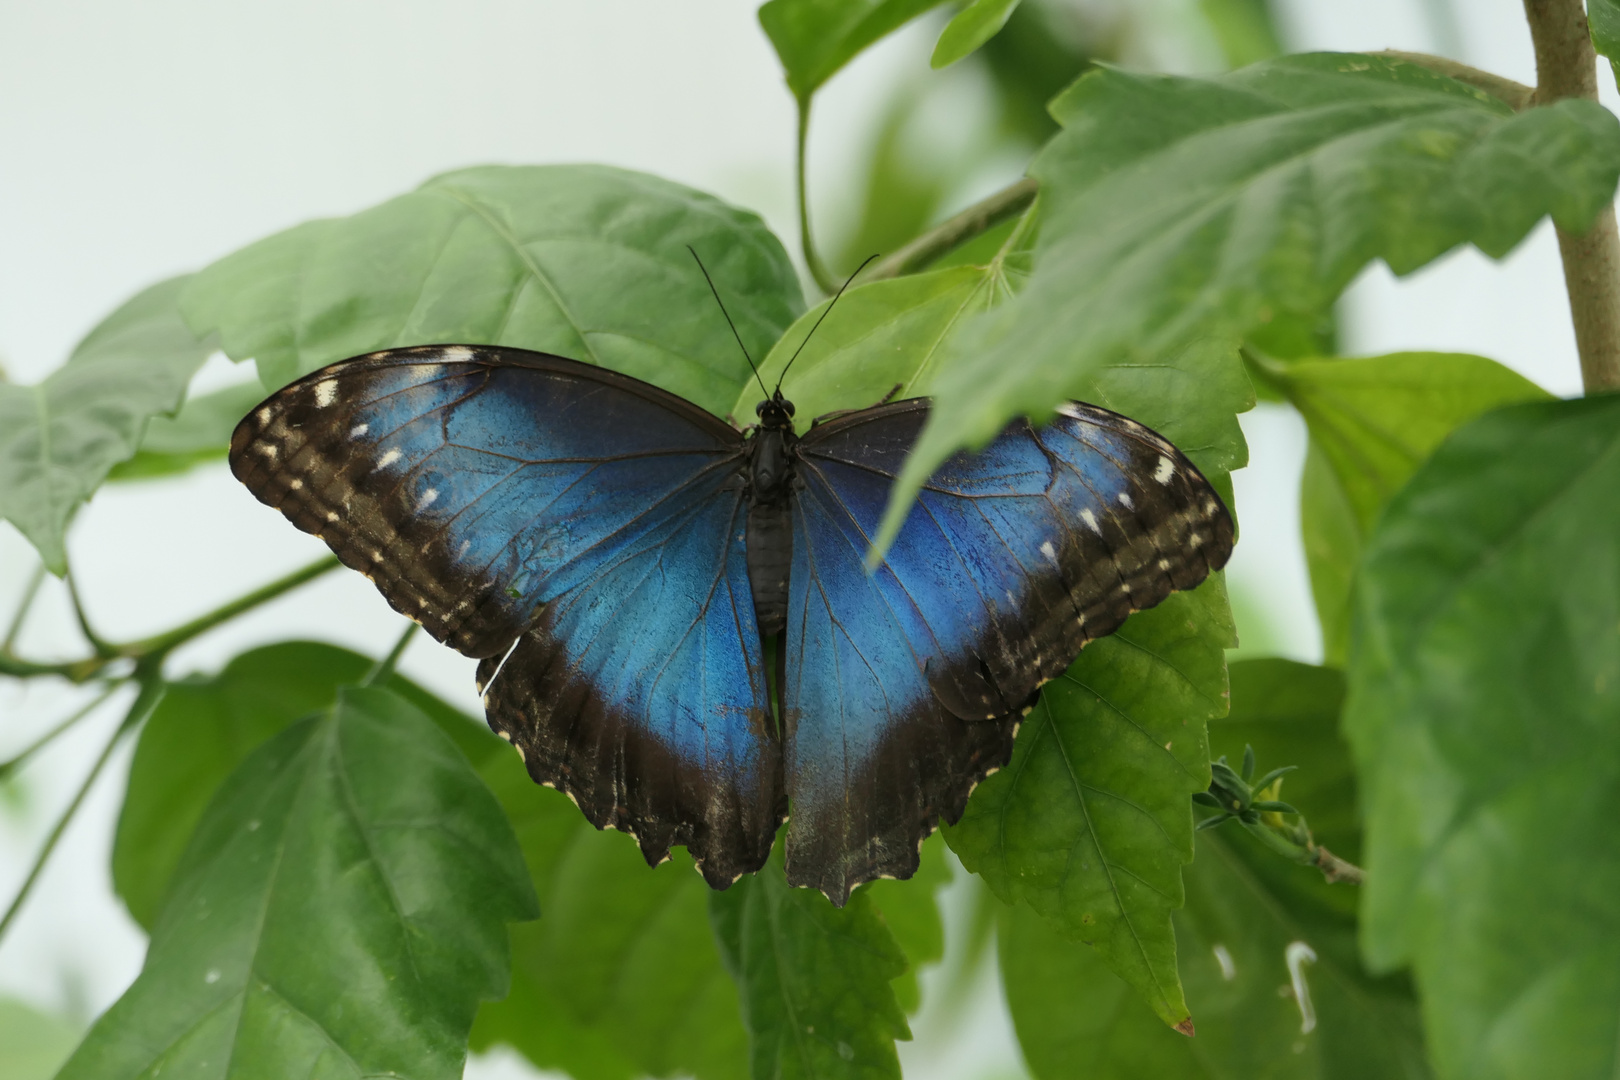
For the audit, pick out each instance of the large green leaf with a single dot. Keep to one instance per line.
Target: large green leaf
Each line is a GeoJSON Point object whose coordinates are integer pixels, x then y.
{"type": "Point", "coordinates": [814, 979]}
{"type": "Point", "coordinates": [814, 38]}
{"type": "Point", "coordinates": [33, 1044]}
{"type": "Point", "coordinates": [1372, 421]}
{"type": "Point", "coordinates": [207, 726]}
{"type": "Point", "coordinates": [1090, 823]}
{"type": "Point", "coordinates": [1604, 17]}
{"type": "Point", "coordinates": [1484, 709]}
{"type": "Point", "coordinates": [621, 977]}
{"type": "Point", "coordinates": [583, 261]}
{"type": "Point", "coordinates": [59, 437]}
{"type": "Point", "coordinates": [911, 912]}
{"type": "Point", "coordinates": [340, 911]}
{"type": "Point", "coordinates": [1245, 907]}
{"type": "Point", "coordinates": [198, 434]}
{"type": "Point", "coordinates": [1177, 207]}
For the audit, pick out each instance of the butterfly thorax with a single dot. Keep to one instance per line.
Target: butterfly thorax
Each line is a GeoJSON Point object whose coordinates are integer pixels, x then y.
{"type": "Point", "coordinates": [769, 470]}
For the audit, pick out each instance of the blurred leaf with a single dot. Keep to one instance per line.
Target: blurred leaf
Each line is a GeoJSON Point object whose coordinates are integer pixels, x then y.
{"type": "Point", "coordinates": [340, 911]}
{"type": "Point", "coordinates": [1245, 29]}
{"type": "Point", "coordinates": [198, 434]}
{"type": "Point", "coordinates": [1484, 709]}
{"type": "Point", "coordinates": [1183, 207]}
{"type": "Point", "coordinates": [33, 1044]}
{"type": "Point", "coordinates": [584, 261]}
{"type": "Point", "coordinates": [621, 977]}
{"type": "Point", "coordinates": [59, 438]}
{"type": "Point", "coordinates": [1604, 17]}
{"type": "Point", "coordinates": [1245, 906]}
{"type": "Point", "coordinates": [205, 727]}
{"type": "Point", "coordinates": [974, 25]}
{"type": "Point", "coordinates": [910, 909]}
{"type": "Point", "coordinates": [1372, 421]}
{"type": "Point", "coordinates": [1091, 822]}
{"type": "Point", "coordinates": [1044, 47]}
{"type": "Point", "coordinates": [814, 979]}
{"type": "Point", "coordinates": [814, 38]}
{"type": "Point", "coordinates": [903, 193]}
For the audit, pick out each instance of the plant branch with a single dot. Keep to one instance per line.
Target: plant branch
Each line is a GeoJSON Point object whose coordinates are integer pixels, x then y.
{"type": "Point", "coordinates": [1515, 95]}
{"type": "Point", "coordinates": [1566, 67]}
{"type": "Point", "coordinates": [151, 693]}
{"type": "Point", "coordinates": [154, 648]}
{"type": "Point", "coordinates": [979, 218]}
{"type": "Point", "coordinates": [30, 591]}
{"type": "Point", "coordinates": [1336, 869]}
{"type": "Point", "coordinates": [18, 760]}
{"type": "Point", "coordinates": [97, 643]}
{"type": "Point", "coordinates": [812, 259]}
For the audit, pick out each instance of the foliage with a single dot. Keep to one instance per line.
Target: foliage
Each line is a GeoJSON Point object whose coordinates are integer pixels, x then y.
{"type": "Point", "coordinates": [343, 875]}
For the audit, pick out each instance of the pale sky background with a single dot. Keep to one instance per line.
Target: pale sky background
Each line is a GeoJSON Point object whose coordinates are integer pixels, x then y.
{"type": "Point", "coordinates": [141, 141]}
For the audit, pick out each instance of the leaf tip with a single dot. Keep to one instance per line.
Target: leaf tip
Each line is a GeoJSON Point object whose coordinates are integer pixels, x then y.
{"type": "Point", "coordinates": [1186, 1027]}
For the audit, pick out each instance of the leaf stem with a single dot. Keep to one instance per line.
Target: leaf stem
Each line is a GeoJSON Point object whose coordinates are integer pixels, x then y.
{"type": "Point", "coordinates": [30, 591]}
{"type": "Point", "coordinates": [18, 760]}
{"type": "Point", "coordinates": [151, 693]}
{"type": "Point", "coordinates": [97, 643]}
{"type": "Point", "coordinates": [382, 669]}
{"type": "Point", "coordinates": [1566, 67]}
{"type": "Point", "coordinates": [812, 258]}
{"type": "Point", "coordinates": [981, 217]}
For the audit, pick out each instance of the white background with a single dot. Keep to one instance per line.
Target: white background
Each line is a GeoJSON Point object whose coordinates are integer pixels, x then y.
{"type": "Point", "coordinates": [140, 141]}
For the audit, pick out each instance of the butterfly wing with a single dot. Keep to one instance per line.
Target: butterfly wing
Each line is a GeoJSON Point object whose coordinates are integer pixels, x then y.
{"type": "Point", "coordinates": [579, 532]}
{"type": "Point", "coordinates": [904, 687]}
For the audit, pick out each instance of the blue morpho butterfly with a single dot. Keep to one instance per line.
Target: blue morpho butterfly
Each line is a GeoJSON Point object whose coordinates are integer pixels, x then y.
{"type": "Point", "coordinates": [617, 558]}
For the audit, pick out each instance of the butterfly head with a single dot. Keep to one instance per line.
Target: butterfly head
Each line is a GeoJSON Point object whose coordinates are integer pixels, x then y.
{"type": "Point", "coordinates": [775, 412]}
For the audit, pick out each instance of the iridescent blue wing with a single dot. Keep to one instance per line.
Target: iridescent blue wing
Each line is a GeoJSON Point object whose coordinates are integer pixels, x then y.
{"type": "Point", "coordinates": [579, 532]}
{"type": "Point", "coordinates": [904, 687]}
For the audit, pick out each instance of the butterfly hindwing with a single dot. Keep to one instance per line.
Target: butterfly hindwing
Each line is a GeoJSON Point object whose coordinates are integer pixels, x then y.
{"type": "Point", "coordinates": [904, 686]}
{"type": "Point", "coordinates": [584, 528]}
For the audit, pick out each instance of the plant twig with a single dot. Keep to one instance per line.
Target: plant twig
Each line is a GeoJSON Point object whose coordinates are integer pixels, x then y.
{"type": "Point", "coordinates": [812, 259]}
{"type": "Point", "coordinates": [30, 591]}
{"type": "Point", "coordinates": [382, 669]}
{"type": "Point", "coordinates": [1336, 869]}
{"type": "Point", "coordinates": [1515, 95]}
{"type": "Point", "coordinates": [151, 693]}
{"type": "Point", "coordinates": [1566, 67]}
{"type": "Point", "coordinates": [981, 217]}
{"type": "Point", "coordinates": [99, 644]}
{"type": "Point", "coordinates": [19, 759]}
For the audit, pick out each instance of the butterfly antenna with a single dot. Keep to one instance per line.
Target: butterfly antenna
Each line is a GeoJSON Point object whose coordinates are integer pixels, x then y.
{"type": "Point", "coordinates": [821, 320]}
{"type": "Point", "coordinates": [729, 323]}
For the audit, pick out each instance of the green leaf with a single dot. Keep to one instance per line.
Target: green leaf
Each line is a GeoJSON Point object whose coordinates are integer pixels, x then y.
{"type": "Point", "coordinates": [1182, 207]}
{"type": "Point", "coordinates": [814, 38]}
{"type": "Point", "coordinates": [1245, 906]}
{"type": "Point", "coordinates": [59, 438]}
{"type": "Point", "coordinates": [1372, 421]}
{"type": "Point", "coordinates": [1090, 822]}
{"type": "Point", "coordinates": [622, 976]}
{"type": "Point", "coordinates": [584, 261]}
{"type": "Point", "coordinates": [910, 909]}
{"type": "Point", "coordinates": [1484, 709]}
{"type": "Point", "coordinates": [814, 979]}
{"type": "Point", "coordinates": [340, 912]}
{"type": "Point", "coordinates": [200, 433]}
{"type": "Point", "coordinates": [974, 25]}
{"type": "Point", "coordinates": [204, 728]}
{"type": "Point", "coordinates": [1604, 17]}
{"type": "Point", "coordinates": [1244, 29]}
{"type": "Point", "coordinates": [33, 1044]}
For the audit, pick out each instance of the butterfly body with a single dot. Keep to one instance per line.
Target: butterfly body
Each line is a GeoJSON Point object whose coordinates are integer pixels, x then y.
{"type": "Point", "coordinates": [616, 558]}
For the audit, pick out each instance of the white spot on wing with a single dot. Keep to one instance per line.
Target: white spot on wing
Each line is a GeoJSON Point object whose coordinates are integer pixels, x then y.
{"type": "Point", "coordinates": [1165, 471]}
{"type": "Point", "coordinates": [1091, 521]}
{"type": "Point", "coordinates": [427, 498]}
{"type": "Point", "coordinates": [1164, 564]}
{"type": "Point", "coordinates": [359, 430]}
{"type": "Point", "coordinates": [264, 415]}
{"type": "Point", "coordinates": [268, 450]}
{"type": "Point", "coordinates": [388, 458]}
{"type": "Point", "coordinates": [457, 354]}
{"type": "Point", "coordinates": [1125, 500]}
{"type": "Point", "coordinates": [1049, 551]}
{"type": "Point", "coordinates": [1071, 410]}
{"type": "Point", "coordinates": [331, 515]}
{"type": "Point", "coordinates": [462, 550]}
{"type": "Point", "coordinates": [296, 484]}
{"type": "Point", "coordinates": [325, 393]}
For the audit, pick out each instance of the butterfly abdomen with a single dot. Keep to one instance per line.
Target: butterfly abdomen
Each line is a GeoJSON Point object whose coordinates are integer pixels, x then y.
{"type": "Point", "coordinates": [770, 527]}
